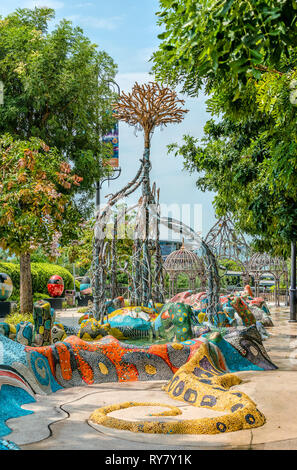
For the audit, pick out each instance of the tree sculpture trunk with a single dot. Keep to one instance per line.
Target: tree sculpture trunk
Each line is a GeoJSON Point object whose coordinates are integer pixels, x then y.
{"type": "Point", "coordinates": [26, 297]}
{"type": "Point", "coordinates": [146, 189]}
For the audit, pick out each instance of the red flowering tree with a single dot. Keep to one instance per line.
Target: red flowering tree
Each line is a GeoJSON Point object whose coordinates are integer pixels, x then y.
{"type": "Point", "coordinates": [37, 207]}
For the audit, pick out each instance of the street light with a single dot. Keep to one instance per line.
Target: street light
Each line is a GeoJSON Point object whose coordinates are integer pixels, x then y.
{"type": "Point", "coordinates": [113, 176]}
{"type": "Point", "coordinates": [117, 170]}
{"type": "Point", "coordinates": [293, 284]}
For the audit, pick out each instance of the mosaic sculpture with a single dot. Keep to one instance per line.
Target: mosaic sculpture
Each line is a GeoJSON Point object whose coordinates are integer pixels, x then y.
{"type": "Point", "coordinates": [174, 322]}
{"type": "Point", "coordinates": [6, 287]}
{"type": "Point", "coordinates": [75, 362]}
{"type": "Point", "coordinates": [55, 286]}
{"type": "Point", "coordinates": [27, 333]}
{"type": "Point", "coordinates": [43, 317]}
{"type": "Point", "coordinates": [85, 286]}
{"type": "Point", "coordinates": [201, 382]}
{"type": "Point", "coordinates": [24, 333]}
{"type": "Point", "coordinates": [257, 306]}
{"type": "Point", "coordinates": [232, 310]}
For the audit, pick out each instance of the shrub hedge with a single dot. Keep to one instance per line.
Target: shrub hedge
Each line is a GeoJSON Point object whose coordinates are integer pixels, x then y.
{"type": "Point", "coordinates": [41, 272]}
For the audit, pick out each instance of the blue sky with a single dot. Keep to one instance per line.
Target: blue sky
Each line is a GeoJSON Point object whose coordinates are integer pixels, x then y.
{"type": "Point", "coordinates": [127, 31]}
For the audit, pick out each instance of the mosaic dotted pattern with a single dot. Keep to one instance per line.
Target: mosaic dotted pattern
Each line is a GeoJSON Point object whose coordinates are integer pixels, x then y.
{"type": "Point", "coordinates": [174, 322]}
{"type": "Point", "coordinates": [74, 361]}
{"type": "Point", "coordinates": [202, 383]}
{"type": "Point", "coordinates": [233, 310]}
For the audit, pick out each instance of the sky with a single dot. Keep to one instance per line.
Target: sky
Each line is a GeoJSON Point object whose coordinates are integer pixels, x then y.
{"type": "Point", "coordinates": [127, 30]}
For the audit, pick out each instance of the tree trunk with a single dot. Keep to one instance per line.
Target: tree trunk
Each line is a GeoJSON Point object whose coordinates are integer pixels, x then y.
{"type": "Point", "coordinates": [26, 297]}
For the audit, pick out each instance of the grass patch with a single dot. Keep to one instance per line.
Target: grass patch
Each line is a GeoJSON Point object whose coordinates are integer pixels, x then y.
{"type": "Point", "coordinates": [16, 317]}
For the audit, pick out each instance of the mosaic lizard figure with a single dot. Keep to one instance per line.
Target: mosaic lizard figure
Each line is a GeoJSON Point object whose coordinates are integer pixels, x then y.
{"type": "Point", "coordinates": [180, 317]}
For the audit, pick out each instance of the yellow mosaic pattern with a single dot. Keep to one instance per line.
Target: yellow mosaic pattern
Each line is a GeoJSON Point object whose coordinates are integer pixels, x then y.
{"type": "Point", "coordinates": [199, 383]}
{"type": "Point", "coordinates": [92, 330]}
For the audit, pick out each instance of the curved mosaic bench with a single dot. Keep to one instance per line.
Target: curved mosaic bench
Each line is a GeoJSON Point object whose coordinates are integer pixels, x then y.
{"type": "Point", "coordinates": [15, 391]}
{"type": "Point", "coordinates": [8, 445]}
{"type": "Point", "coordinates": [75, 362]}
{"type": "Point", "coordinates": [200, 382]}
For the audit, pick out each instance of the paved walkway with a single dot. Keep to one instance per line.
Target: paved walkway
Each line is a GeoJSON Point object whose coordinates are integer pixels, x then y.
{"type": "Point", "coordinates": [60, 421]}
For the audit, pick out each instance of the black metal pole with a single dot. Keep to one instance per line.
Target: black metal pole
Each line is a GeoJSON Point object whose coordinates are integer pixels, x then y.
{"type": "Point", "coordinates": [96, 298]}
{"type": "Point", "coordinates": [98, 280]}
{"type": "Point", "coordinates": [293, 298]}
{"type": "Point", "coordinates": [97, 195]}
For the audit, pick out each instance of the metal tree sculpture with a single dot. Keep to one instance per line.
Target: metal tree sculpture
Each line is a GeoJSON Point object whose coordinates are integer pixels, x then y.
{"type": "Point", "coordinates": [227, 243]}
{"type": "Point", "coordinates": [145, 108]}
{"type": "Point", "coordinates": [148, 106]}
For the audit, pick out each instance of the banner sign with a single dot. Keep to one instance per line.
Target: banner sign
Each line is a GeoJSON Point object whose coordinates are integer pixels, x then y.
{"type": "Point", "coordinates": [113, 138]}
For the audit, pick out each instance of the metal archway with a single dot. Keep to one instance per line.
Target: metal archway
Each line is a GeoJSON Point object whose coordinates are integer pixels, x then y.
{"type": "Point", "coordinates": [154, 281]}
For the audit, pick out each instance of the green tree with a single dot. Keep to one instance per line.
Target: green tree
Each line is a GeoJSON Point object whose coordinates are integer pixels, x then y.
{"type": "Point", "coordinates": [36, 204]}
{"type": "Point", "coordinates": [52, 91]}
{"type": "Point", "coordinates": [243, 55]}
{"type": "Point", "coordinates": [231, 160]}
{"type": "Point", "coordinates": [227, 40]}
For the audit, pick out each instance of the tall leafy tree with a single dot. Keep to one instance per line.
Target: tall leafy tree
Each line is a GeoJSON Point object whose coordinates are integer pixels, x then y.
{"type": "Point", "coordinates": [243, 55]}
{"type": "Point", "coordinates": [206, 40]}
{"type": "Point", "coordinates": [55, 91]}
{"type": "Point", "coordinates": [52, 90]}
{"type": "Point", "coordinates": [37, 208]}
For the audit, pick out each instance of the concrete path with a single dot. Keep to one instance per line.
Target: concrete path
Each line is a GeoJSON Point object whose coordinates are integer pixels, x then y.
{"type": "Point", "coordinates": [60, 421]}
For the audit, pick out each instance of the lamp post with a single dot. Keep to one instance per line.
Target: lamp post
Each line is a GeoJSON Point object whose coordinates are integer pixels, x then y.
{"type": "Point", "coordinates": [113, 176]}
{"type": "Point", "coordinates": [117, 170]}
{"type": "Point", "coordinates": [293, 299]}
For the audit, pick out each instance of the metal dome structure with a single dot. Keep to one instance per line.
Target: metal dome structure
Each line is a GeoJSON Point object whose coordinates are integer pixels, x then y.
{"type": "Point", "coordinates": [186, 262]}
{"type": "Point", "coordinates": [262, 264]}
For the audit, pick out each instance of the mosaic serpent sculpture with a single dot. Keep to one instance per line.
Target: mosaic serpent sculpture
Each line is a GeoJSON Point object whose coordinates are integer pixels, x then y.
{"type": "Point", "coordinates": [37, 333]}
{"type": "Point", "coordinates": [75, 362]}
{"type": "Point", "coordinates": [201, 382]}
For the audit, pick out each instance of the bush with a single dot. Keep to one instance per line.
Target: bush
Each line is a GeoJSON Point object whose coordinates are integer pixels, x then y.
{"type": "Point", "coordinates": [39, 296]}
{"type": "Point", "coordinates": [83, 309]}
{"type": "Point", "coordinates": [16, 317]}
{"type": "Point", "coordinates": [41, 272]}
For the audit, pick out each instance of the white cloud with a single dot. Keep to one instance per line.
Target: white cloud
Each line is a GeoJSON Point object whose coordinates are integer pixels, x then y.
{"type": "Point", "coordinates": [108, 24]}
